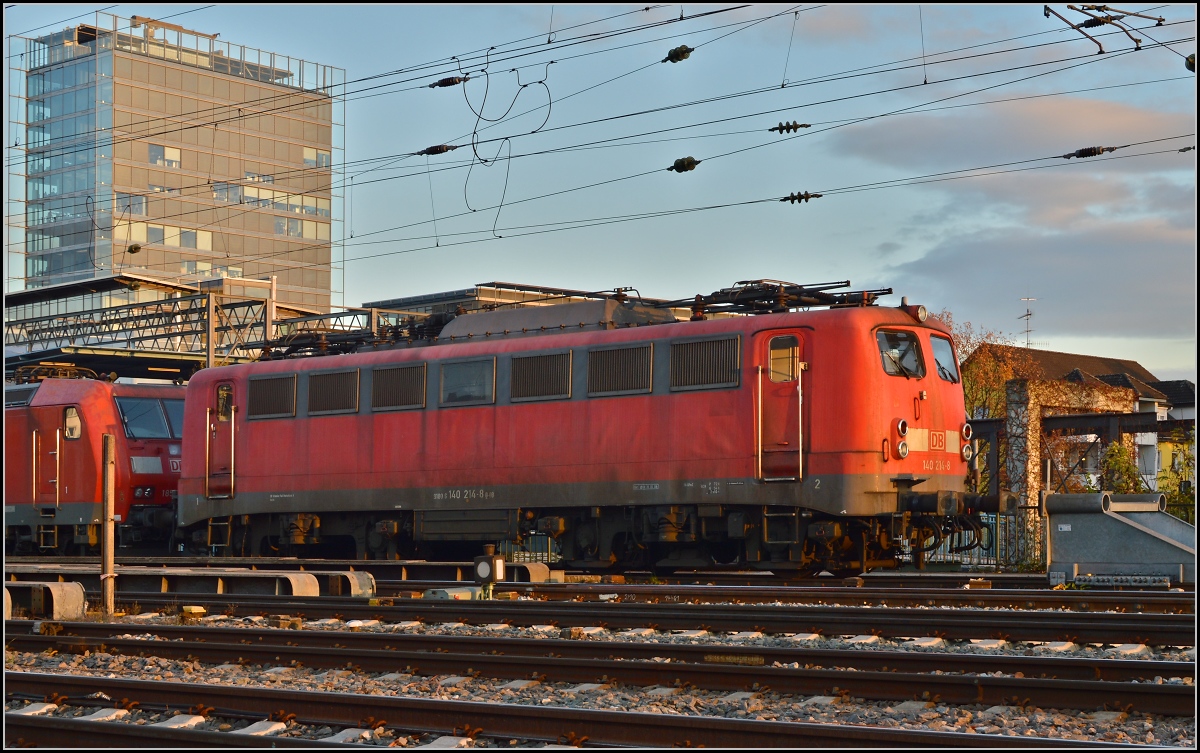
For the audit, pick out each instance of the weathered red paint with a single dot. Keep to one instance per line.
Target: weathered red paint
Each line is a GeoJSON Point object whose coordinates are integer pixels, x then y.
{"type": "Point", "coordinates": [850, 406]}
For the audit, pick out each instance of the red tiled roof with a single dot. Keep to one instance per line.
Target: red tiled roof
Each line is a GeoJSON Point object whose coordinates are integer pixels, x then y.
{"type": "Point", "coordinates": [1055, 365]}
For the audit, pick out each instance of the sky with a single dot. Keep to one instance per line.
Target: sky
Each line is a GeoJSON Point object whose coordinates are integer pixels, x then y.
{"type": "Point", "coordinates": [936, 139]}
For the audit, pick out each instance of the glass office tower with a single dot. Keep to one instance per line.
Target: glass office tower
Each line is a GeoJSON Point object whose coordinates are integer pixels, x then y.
{"type": "Point", "coordinates": [139, 146]}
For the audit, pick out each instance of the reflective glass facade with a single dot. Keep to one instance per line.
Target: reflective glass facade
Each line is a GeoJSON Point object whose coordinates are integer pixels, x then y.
{"type": "Point", "coordinates": [154, 150]}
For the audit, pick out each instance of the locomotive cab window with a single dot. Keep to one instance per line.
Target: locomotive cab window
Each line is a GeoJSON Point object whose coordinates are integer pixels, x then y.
{"type": "Point", "coordinates": [900, 353]}
{"type": "Point", "coordinates": [943, 358]}
{"type": "Point", "coordinates": [469, 382]}
{"type": "Point", "coordinates": [174, 410]}
{"type": "Point", "coordinates": [143, 418]}
{"type": "Point", "coordinates": [72, 424]}
{"type": "Point", "coordinates": [785, 358]}
{"type": "Point", "coordinates": [225, 402]}
{"type": "Point", "coordinates": [18, 397]}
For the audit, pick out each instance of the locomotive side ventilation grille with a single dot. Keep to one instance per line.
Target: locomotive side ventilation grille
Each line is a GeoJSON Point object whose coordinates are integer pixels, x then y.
{"type": "Point", "coordinates": [620, 371]}
{"type": "Point", "coordinates": [705, 364]}
{"type": "Point", "coordinates": [272, 397]}
{"type": "Point", "coordinates": [333, 393]}
{"type": "Point", "coordinates": [541, 377]}
{"type": "Point", "coordinates": [399, 388]}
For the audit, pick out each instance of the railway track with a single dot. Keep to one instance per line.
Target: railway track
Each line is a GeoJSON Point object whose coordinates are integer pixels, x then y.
{"type": "Point", "coordinates": [887, 622]}
{"type": "Point", "coordinates": [1078, 601]}
{"type": "Point", "coordinates": [419, 570]}
{"type": "Point", "coordinates": [877, 675]}
{"type": "Point", "coordinates": [501, 720]}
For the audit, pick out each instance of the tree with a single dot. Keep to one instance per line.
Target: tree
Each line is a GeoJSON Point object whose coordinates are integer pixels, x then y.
{"type": "Point", "coordinates": [1119, 471]}
{"type": "Point", "coordinates": [1177, 479]}
{"type": "Point", "coordinates": [988, 359]}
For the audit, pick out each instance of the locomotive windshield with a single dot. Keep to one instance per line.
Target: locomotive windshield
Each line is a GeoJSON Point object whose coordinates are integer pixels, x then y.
{"type": "Point", "coordinates": [901, 354]}
{"type": "Point", "coordinates": [175, 417]}
{"type": "Point", "coordinates": [143, 418]}
{"type": "Point", "coordinates": [943, 356]}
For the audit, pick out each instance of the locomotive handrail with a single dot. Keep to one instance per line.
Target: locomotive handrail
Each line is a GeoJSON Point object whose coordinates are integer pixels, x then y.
{"type": "Point", "coordinates": [758, 430]}
{"type": "Point", "coordinates": [57, 463]}
{"type": "Point", "coordinates": [34, 497]}
{"type": "Point", "coordinates": [208, 427]}
{"type": "Point", "coordinates": [799, 421]}
{"type": "Point", "coordinates": [232, 447]}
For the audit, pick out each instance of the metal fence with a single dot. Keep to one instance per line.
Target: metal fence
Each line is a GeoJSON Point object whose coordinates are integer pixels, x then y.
{"type": "Point", "coordinates": [1015, 542]}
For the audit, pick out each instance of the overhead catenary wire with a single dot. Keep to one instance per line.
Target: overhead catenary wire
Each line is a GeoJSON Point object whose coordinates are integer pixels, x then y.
{"type": "Point", "coordinates": [443, 148]}
{"type": "Point", "coordinates": [174, 126]}
{"type": "Point", "coordinates": [292, 252]}
{"type": "Point", "coordinates": [1090, 59]}
{"type": "Point", "coordinates": [604, 143]}
{"type": "Point", "coordinates": [959, 174]}
{"type": "Point", "coordinates": [843, 122]}
{"type": "Point", "coordinates": [595, 222]}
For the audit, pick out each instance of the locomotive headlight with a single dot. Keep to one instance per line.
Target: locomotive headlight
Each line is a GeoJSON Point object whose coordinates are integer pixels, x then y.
{"type": "Point", "coordinates": [967, 432]}
{"type": "Point", "coordinates": [137, 492]}
{"type": "Point", "coordinates": [967, 453]}
{"type": "Point", "coordinates": [902, 428]}
{"type": "Point", "coordinates": [902, 449]}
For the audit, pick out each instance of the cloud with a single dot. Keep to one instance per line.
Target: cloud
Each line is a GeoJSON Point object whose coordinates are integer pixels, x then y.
{"type": "Point", "coordinates": [837, 24]}
{"type": "Point", "coordinates": [1125, 279]}
{"type": "Point", "coordinates": [951, 139]}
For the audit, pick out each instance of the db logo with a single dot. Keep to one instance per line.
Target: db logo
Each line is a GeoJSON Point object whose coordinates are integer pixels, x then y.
{"type": "Point", "coordinates": [176, 465]}
{"type": "Point", "coordinates": [937, 440]}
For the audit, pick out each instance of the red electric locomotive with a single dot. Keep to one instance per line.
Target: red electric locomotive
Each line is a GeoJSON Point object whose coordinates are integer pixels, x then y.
{"type": "Point", "coordinates": [604, 433]}
{"type": "Point", "coordinates": [53, 448]}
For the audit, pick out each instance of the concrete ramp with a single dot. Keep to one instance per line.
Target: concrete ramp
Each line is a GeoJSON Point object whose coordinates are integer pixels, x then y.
{"type": "Point", "coordinates": [51, 600]}
{"type": "Point", "coordinates": [1110, 537]}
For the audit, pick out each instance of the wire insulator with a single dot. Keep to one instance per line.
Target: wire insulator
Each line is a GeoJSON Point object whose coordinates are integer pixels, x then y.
{"type": "Point", "coordinates": [800, 197]}
{"type": "Point", "coordinates": [1091, 151]}
{"type": "Point", "coordinates": [439, 149]}
{"type": "Point", "coordinates": [682, 52]}
{"type": "Point", "coordinates": [789, 127]}
{"type": "Point", "coordinates": [452, 81]}
{"type": "Point", "coordinates": [1189, 62]}
{"type": "Point", "coordinates": [1092, 23]}
{"type": "Point", "coordinates": [1187, 149]}
{"type": "Point", "coordinates": [683, 164]}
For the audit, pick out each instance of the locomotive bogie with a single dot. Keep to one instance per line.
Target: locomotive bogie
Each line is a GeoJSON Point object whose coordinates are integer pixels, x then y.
{"type": "Point", "coordinates": [770, 441]}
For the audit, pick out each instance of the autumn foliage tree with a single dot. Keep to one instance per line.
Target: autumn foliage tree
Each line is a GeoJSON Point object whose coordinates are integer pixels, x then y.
{"type": "Point", "coordinates": [989, 359]}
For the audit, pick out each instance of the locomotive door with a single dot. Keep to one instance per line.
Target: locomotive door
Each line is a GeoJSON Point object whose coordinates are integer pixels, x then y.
{"type": "Point", "coordinates": [780, 405]}
{"type": "Point", "coordinates": [220, 442]}
{"type": "Point", "coordinates": [46, 440]}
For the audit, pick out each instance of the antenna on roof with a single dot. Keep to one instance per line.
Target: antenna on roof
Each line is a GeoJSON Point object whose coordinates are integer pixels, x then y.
{"type": "Point", "coordinates": [1028, 317]}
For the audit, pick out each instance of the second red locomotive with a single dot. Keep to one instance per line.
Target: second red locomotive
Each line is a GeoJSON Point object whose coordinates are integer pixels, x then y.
{"type": "Point", "coordinates": [606, 432]}
{"type": "Point", "coordinates": [53, 431]}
